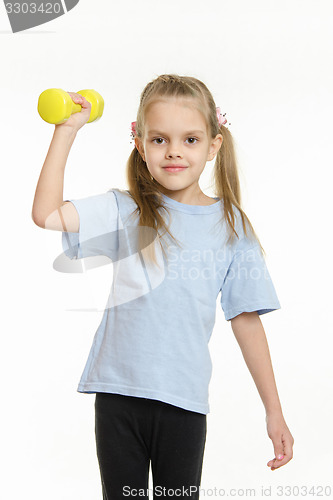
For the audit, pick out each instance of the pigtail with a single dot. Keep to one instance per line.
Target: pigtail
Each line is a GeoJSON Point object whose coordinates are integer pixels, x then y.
{"type": "Point", "coordinates": [227, 187]}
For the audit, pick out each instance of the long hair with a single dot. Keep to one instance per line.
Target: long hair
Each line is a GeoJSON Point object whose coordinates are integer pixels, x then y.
{"type": "Point", "coordinates": [144, 189]}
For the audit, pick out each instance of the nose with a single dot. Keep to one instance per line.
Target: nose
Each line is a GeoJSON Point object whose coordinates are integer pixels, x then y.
{"type": "Point", "coordinates": [174, 151]}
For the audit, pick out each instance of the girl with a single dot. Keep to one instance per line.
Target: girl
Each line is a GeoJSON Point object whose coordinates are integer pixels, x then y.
{"type": "Point", "coordinates": [174, 249]}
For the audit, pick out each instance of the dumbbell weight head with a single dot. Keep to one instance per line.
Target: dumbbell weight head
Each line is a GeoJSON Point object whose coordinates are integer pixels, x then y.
{"type": "Point", "coordinates": [56, 105]}
{"type": "Point", "coordinates": [96, 101]}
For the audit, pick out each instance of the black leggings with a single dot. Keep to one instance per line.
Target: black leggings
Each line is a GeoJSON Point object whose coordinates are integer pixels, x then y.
{"type": "Point", "coordinates": [132, 431]}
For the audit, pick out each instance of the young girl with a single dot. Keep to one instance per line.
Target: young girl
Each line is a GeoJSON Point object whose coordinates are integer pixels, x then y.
{"type": "Point", "coordinates": [174, 249]}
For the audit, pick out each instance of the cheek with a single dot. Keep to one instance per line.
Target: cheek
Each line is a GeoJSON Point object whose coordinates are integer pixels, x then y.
{"type": "Point", "coordinates": [153, 155]}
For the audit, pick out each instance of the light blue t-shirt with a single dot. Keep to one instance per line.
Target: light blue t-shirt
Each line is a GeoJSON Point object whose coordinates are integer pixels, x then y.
{"type": "Point", "coordinates": [152, 341]}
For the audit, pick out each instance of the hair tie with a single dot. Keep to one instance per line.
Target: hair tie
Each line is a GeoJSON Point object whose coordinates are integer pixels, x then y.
{"type": "Point", "coordinates": [221, 118]}
{"type": "Point", "coordinates": [133, 124]}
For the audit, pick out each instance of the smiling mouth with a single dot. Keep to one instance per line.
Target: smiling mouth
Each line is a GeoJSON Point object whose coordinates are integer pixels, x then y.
{"type": "Point", "coordinates": [175, 168]}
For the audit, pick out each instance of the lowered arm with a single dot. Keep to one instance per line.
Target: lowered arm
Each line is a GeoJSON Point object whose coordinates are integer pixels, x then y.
{"type": "Point", "coordinates": [251, 337]}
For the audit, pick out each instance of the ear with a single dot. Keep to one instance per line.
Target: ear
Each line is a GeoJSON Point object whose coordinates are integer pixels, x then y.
{"type": "Point", "coordinates": [139, 147]}
{"type": "Point", "coordinates": [214, 147]}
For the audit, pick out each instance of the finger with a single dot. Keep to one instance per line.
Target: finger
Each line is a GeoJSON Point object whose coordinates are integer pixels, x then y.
{"type": "Point", "coordinates": [76, 97]}
{"type": "Point", "coordinates": [273, 464]}
{"type": "Point", "coordinates": [278, 448]}
{"type": "Point", "coordinates": [288, 455]}
{"type": "Point", "coordinates": [85, 104]}
{"type": "Point", "coordinates": [279, 458]}
{"type": "Point", "coordinates": [288, 449]}
{"type": "Point", "coordinates": [82, 101]}
{"type": "Point", "coordinates": [276, 464]}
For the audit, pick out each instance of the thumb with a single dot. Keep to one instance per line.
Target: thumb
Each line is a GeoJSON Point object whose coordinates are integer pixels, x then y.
{"type": "Point", "coordinates": [278, 451]}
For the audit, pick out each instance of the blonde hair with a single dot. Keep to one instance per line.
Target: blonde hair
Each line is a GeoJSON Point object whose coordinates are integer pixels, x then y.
{"type": "Point", "coordinates": [145, 190]}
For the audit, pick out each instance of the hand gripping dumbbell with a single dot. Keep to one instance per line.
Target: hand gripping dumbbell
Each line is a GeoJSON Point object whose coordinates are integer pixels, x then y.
{"type": "Point", "coordinates": [56, 106]}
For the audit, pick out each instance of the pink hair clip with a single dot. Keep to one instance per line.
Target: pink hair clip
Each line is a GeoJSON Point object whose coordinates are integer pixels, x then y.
{"type": "Point", "coordinates": [133, 124]}
{"type": "Point", "coordinates": [221, 118]}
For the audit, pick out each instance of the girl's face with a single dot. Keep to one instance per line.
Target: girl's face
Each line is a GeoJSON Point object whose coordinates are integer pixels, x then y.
{"type": "Point", "coordinates": [176, 135]}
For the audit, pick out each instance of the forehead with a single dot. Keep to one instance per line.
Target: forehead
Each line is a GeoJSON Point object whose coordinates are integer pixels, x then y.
{"type": "Point", "coordinates": [178, 113]}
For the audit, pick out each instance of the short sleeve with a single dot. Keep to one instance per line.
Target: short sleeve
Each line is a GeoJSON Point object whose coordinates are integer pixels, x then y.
{"type": "Point", "coordinates": [247, 286]}
{"type": "Point", "coordinates": [98, 229]}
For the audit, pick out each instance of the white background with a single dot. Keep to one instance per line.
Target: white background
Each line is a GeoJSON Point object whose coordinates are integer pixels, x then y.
{"type": "Point", "coordinates": [269, 67]}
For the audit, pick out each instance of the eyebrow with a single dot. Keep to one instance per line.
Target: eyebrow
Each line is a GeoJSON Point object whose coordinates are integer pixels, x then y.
{"type": "Point", "coordinates": [158, 132]}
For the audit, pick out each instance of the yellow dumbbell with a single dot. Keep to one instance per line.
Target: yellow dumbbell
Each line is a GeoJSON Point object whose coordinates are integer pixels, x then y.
{"type": "Point", "coordinates": [56, 106]}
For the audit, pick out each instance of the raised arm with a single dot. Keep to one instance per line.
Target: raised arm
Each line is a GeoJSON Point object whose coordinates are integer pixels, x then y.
{"type": "Point", "coordinates": [251, 337]}
{"type": "Point", "coordinates": [49, 210]}
{"type": "Point", "coordinates": [49, 192]}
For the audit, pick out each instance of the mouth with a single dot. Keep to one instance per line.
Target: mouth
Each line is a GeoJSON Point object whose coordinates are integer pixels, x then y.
{"type": "Point", "coordinates": [174, 168]}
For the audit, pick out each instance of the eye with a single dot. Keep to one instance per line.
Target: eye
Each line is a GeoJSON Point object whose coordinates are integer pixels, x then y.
{"type": "Point", "coordinates": [192, 139]}
{"type": "Point", "coordinates": [159, 140]}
